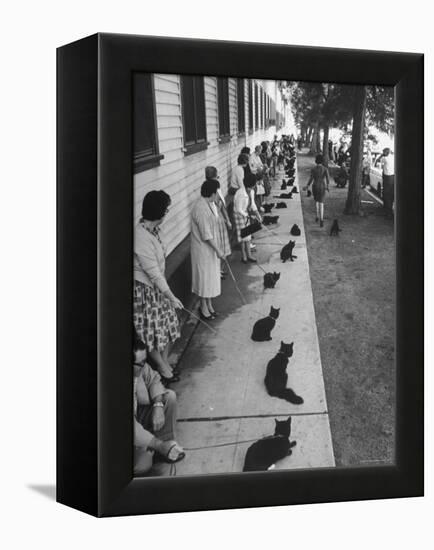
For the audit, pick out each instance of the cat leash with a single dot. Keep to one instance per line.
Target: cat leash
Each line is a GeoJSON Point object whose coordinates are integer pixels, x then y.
{"type": "Point", "coordinates": [209, 327]}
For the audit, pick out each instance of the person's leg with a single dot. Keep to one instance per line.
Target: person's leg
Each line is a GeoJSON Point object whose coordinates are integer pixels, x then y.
{"type": "Point", "coordinates": [244, 250]}
{"type": "Point", "coordinates": [248, 251]}
{"type": "Point", "coordinates": [210, 306]}
{"type": "Point", "coordinates": [321, 214]}
{"type": "Point", "coordinates": [142, 460]}
{"type": "Point", "coordinates": [317, 211]}
{"type": "Point", "coordinates": [163, 366]}
{"type": "Point", "coordinates": [204, 307]}
{"type": "Point", "coordinates": [167, 432]}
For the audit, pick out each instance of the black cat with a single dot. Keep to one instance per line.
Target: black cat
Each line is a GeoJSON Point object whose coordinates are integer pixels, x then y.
{"type": "Point", "coordinates": [265, 452]}
{"type": "Point", "coordinates": [281, 205]}
{"type": "Point", "coordinates": [276, 377]}
{"type": "Point", "coordinates": [294, 189]}
{"type": "Point", "coordinates": [262, 328]}
{"type": "Point", "coordinates": [270, 279]}
{"type": "Point", "coordinates": [284, 196]}
{"type": "Point", "coordinates": [268, 207]}
{"type": "Point", "coordinates": [286, 252]}
{"type": "Point", "coordinates": [335, 229]}
{"type": "Point", "coordinates": [268, 220]}
{"type": "Point", "coordinates": [295, 230]}
{"type": "Point", "coordinates": [290, 172]}
{"type": "Point", "coordinates": [291, 181]}
{"type": "Point", "coordinates": [283, 186]}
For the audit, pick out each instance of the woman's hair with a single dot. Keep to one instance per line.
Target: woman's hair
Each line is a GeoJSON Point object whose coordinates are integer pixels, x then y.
{"type": "Point", "coordinates": [319, 159]}
{"type": "Point", "coordinates": [210, 172]}
{"type": "Point", "coordinates": [154, 206]}
{"type": "Point", "coordinates": [245, 151]}
{"type": "Point", "coordinates": [242, 159]}
{"type": "Point", "coordinates": [249, 180]}
{"type": "Point", "coordinates": [209, 187]}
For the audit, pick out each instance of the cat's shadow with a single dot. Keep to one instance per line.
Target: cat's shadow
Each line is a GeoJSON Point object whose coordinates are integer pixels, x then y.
{"type": "Point", "coordinates": [48, 491]}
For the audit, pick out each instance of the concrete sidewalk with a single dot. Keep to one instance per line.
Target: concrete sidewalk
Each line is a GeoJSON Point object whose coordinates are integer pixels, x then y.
{"type": "Point", "coordinates": [223, 403]}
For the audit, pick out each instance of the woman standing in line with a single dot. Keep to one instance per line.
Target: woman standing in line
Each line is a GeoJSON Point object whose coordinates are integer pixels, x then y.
{"type": "Point", "coordinates": [244, 206]}
{"type": "Point", "coordinates": [155, 318]}
{"type": "Point", "coordinates": [205, 251]}
{"type": "Point", "coordinates": [317, 175]}
{"type": "Point", "coordinates": [224, 223]}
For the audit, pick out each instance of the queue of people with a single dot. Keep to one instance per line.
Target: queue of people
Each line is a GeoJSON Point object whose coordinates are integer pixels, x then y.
{"type": "Point", "coordinates": [214, 220]}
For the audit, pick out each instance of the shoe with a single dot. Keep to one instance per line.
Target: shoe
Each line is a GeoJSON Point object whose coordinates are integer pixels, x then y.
{"type": "Point", "coordinates": [204, 317]}
{"type": "Point", "coordinates": [175, 453]}
{"type": "Point", "coordinates": [253, 260]}
{"type": "Point", "coordinates": [321, 223]}
{"type": "Point", "coordinates": [244, 261]}
{"type": "Point", "coordinates": [167, 381]}
{"type": "Point", "coordinates": [214, 314]}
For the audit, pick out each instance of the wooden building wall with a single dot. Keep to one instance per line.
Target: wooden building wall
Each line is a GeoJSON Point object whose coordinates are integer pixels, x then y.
{"type": "Point", "coordinates": [181, 176]}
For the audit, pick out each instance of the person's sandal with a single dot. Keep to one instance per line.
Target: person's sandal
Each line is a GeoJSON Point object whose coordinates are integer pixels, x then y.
{"type": "Point", "coordinates": [173, 454]}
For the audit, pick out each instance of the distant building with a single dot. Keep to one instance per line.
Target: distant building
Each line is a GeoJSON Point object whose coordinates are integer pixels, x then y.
{"type": "Point", "coordinates": [183, 124]}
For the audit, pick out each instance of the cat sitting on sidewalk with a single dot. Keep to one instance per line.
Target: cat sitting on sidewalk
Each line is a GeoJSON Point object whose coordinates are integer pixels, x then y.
{"type": "Point", "coordinates": [264, 453]}
{"type": "Point", "coordinates": [276, 377]}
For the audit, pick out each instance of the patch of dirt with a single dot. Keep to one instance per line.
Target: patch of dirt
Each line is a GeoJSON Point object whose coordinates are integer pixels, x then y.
{"type": "Point", "coordinates": [353, 284]}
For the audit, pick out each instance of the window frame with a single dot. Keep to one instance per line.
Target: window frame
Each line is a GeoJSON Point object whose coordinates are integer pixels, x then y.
{"type": "Point", "coordinates": [201, 145]}
{"type": "Point", "coordinates": [256, 106]}
{"type": "Point", "coordinates": [142, 161]}
{"type": "Point", "coordinates": [241, 109]}
{"type": "Point", "coordinates": [223, 110]}
{"type": "Point", "coordinates": [251, 100]}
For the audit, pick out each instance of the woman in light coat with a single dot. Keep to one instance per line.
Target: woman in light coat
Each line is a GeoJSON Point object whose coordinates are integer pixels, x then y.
{"type": "Point", "coordinates": [205, 251]}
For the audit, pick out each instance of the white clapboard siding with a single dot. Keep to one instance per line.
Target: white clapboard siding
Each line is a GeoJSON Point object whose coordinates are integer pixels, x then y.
{"type": "Point", "coordinates": [182, 176]}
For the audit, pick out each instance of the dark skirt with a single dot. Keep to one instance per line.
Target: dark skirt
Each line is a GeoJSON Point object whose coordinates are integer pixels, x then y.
{"type": "Point", "coordinates": [318, 191]}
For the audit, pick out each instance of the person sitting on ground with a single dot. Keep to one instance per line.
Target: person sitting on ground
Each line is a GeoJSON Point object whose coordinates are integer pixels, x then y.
{"type": "Point", "coordinates": [154, 409]}
{"type": "Point", "coordinates": [244, 207]}
{"type": "Point", "coordinates": [342, 177]}
{"type": "Point", "coordinates": [318, 174]}
{"type": "Point", "coordinates": [155, 318]}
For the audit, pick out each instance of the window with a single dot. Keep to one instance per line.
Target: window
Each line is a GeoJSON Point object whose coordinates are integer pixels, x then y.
{"type": "Point", "coordinates": [256, 107]}
{"type": "Point", "coordinates": [193, 114]}
{"type": "Point", "coordinates": [267, 111]}
{"type": "Point", "coordinates": [223, 108]}
{"type": "Point", "coordinates": [145, 145]}
{"type": "Point", "coordinates": [241, 111]}
{"type": "Point", "coordinates": [250, 107]}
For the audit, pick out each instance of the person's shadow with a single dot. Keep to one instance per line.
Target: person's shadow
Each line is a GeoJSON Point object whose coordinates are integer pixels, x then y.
{"type": "Point", "coordinates": [48, 491]}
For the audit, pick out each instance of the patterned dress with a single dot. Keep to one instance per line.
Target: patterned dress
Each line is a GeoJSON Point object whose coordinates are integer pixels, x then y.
{"type": "Point", "coordinates": [154, 316]}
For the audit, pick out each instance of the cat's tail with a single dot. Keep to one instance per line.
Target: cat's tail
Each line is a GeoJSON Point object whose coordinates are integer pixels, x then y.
{"type": "Point", "coordinates": [289, 395]}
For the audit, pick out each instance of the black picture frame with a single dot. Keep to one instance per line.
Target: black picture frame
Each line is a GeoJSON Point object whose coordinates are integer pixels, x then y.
{"type": "Point", "coordinates": [94, 250]}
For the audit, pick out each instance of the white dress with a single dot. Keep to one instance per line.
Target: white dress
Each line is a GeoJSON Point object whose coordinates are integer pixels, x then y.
{"type": "Point", "coordinates": [205, 264]}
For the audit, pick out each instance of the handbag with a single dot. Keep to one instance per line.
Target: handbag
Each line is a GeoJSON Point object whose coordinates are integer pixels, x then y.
{"type": "Point", "coordinates": [253, 227]}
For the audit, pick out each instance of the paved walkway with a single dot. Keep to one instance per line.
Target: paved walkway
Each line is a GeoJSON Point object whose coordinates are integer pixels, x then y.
{"type": "Point", "coordinates": [222, 399]}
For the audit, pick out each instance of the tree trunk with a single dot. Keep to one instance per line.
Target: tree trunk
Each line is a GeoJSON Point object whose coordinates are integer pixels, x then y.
{"type": "Point", "coordinates": [352, 205]}
{"type": "Point", "coordinates": [314, 149]}
{"type": "Point", "coordinates": [325, 146]}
